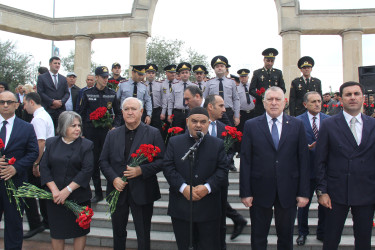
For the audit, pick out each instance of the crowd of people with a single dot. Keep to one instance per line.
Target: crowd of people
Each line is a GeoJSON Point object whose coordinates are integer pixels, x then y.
{"type": "Point", "coordinates": [290, 149]}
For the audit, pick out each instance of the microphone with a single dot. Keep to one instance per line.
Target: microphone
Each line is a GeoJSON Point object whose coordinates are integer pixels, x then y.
{"type": "Point", "coordinates": [200, 134]}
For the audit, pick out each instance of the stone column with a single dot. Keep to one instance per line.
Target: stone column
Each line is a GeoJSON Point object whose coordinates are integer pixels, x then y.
{"type": "Point", "coordinates": [291, 55]}
{"type": "Point", "coordinates": [82, 58]}
{"type": "Point", "coordinates": [351, 53]}
{"type": "Point", "coordinates": [137, 48]}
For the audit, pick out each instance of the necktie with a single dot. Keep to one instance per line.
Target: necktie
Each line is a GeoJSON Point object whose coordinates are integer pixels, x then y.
{"type": "Point", "coordinates": [213, 131]}
{"type": "Point", "coordinates": [307, 81]}
{"type": "Point", "coordinates": [170, 86]}
{"type": "Point", "coordinates": [352, 128]}
{"type": "Point", "coordinates": [221, 89]}
{"type": "Point", "coordinates": [268, 71]}
{"type": "Point", "coordinates": [152, 98]}
{"type": "Point", "coordinates": [315, 128]}
{"type": "Point", "coordinates": [3, 132]}
{"type": "Point", "coordinates": [135, 90]}
{"type": "Point", "coordinates": [183, 100]}
{"type": "Point", "coordinates": [200, 85]}
{"type": "Point", "coordinates": [55, 80]}
{"type": "Point", "coordinates": [275, 133]}
{"type": "Point", "coordinates": [247, 94]}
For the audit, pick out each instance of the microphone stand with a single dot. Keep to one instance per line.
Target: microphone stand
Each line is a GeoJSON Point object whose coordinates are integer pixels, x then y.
{"type": "Point", "coordinates": [191, 155]}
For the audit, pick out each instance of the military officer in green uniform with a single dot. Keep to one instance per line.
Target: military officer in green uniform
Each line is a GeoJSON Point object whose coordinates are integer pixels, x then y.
{"type": "Point", "coordinates": [265, 77]}
{"type": "Point", "coordinates": [301, 85]}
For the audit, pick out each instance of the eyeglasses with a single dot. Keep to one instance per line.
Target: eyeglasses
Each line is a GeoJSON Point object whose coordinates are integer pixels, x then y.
{"type": "Point", "coordinates": [9, 102]}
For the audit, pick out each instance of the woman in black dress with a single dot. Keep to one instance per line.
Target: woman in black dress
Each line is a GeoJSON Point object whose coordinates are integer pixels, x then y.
{"type": "Point", "coordinates": [66, 168]}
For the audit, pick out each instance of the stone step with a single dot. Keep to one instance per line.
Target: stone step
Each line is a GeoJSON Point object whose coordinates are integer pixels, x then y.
{"type": "Point", "coordinates": [162, 223]}
{"type": "Point", "coordinates": [161, 207]}
{"type": "Point", "coordinates": [102, 237]}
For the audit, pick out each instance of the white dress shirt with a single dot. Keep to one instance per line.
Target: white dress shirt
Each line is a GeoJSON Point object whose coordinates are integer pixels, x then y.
{"type": "Point", "coordinates": [317, 120]}
{"type": "Point", "coordinates": [358, 124]}
{"type": "Point", "coordinates": [9, 127]}
{"type": "Point", "coordinates": [53, 79]}
{"type": "Point", "coordinates": [279, 123]}
{"type": "Point", "coordinates": [43, 124]}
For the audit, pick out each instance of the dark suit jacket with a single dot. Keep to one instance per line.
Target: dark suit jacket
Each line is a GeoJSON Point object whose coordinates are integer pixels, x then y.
{"type": "Point", "coordinates": [210, 167]}
{"type": "Point", "coordinates": [345, 170]}
{"type": "Point", "coordinates": [73, 165]}
{"type": "Point", "coordinates": [23, 146]}
{"type": "Point", "coordinates": [79, 99]}
{"type": "Point", "coordinates": [144, 189]}
{"type": "Point", "coordinates": [75, 92]}
{"type": "Point", "coordinates": [310, 137]}
{"type": "Point", "coordinates": [48, 92]}
{"type": "Point", "coordinates": [267, 171]}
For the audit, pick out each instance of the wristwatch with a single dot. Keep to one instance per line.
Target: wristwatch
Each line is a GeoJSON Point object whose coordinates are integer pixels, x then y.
{"type": "Point", "coordinates": [319, 193]}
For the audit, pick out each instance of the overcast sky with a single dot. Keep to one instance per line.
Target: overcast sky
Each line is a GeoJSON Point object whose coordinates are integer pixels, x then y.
{"type": "Point", "coordinates": [237, 29]}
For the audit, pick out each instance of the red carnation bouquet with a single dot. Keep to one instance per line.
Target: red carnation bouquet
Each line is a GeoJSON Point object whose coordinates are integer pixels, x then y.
{"type": "Point", "coordinates": [231, 135]}
{"type": "Point", "coordinates": [261, 92]}
{"type": "Point", "coordinates": [145, 152]}
{"type": "Point", "coordinates": [100, 117]}
{"type": "Point", "coordinates": [173, 131]}
{"type": "Point", "coordinates": [113, 84]}
{"type": "Point", "coordinates": [9, 184]}
{"type": "Point", "coordinates": [83, 213]}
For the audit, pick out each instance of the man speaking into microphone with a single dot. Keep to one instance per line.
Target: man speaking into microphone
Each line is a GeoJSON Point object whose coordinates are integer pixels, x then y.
{"type": "Point", "coordinates": [210, 174]}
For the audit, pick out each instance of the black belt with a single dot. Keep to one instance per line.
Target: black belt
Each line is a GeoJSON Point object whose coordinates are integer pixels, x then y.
{"type": "Point", "coordinates": [246, 111]}
{"type": "Point", "coordinates": [181, 110]}
{"type": "Point", "coordinates": [156, 108]}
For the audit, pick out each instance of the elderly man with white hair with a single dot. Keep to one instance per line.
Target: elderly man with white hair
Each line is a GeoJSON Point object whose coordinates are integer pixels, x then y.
{"type": "Point", "coordinates": [141, 188]}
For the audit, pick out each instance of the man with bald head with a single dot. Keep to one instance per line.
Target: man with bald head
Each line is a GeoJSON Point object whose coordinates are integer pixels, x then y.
{"type": "Point", "coordinates": [274, 171]}
{"type": "Point", "coordinates": [20, 142]}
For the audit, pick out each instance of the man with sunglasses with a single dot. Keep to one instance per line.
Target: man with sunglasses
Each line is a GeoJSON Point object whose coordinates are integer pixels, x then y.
{"type": "Point", "coordinates": [19, 142]}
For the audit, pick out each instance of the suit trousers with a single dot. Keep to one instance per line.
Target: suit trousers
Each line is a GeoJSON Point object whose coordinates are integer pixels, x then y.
{"type": "Point", "coordinates": [155, 119]}
{"type": "Point", "coordinates": [303, 215]}
{"type": "Point", "coordinates": [97, 136]}
{"type": "Point", "coordinates": [13, 230]}
{"type": "Point", "coordinates": [31, 209]}
{"type": "Point", "coordinates": [205, 234]}
{"type": "Point", "coordinates": [260, 225]}
{"type": "Point", "coordinates": [142, 215]}
{"type": "Point", "coordinates": [362, 225]}
{"type": "Point", "coordinates": [179, 119]}
{"type": "Point", "coordinates": [244, 116]}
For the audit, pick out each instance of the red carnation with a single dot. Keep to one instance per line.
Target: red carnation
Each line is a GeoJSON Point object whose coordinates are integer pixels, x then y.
{"type": "Point", "coordinates": [254, 101]}
{"type": "Point", "coordinates": [2, 144]}
{"type": "Point", "coordinates": [262, 90]}
{"type": "Point", "coordinates": [12, 161]}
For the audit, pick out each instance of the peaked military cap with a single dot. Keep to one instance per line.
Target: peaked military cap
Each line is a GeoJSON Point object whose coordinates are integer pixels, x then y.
{"type": "Point", "coordinates": [200, 68]}
{"type": "Point", "coordinates": [270, 53]}
{"type": "Point", "coordinates": [305, 61]}
{"type": "Point", "coordinates": [141, 69]}
{"type": "Point", "coordinates": [184, 66]}
{"type": "Point", "coordinates": [101, 71]}
{"type": "Point", "coordinates": [170, 68]}
{"type": "Point", "coordinates": [151, 67]}
{"type": "Point", "coordinates": [236, 78]}
{"type": "Point", "coordinates": [219, 60]}
{"type": "Point", "coordinates": [243, 72]}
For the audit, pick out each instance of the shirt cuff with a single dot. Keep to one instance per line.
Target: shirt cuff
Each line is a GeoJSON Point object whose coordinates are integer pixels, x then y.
{"type": "Point", "coordinates": [208, 187]}
{"type": "Point", "coordinates": [183, 186]}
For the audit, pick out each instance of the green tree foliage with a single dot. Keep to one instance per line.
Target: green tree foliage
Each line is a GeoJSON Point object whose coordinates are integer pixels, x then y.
{"type": "Point", "coordinates": [15, 68]}
{"type": "Point", "coordinates": [164, 52]}
{"type": "Point", "coordinates": [68, 62]}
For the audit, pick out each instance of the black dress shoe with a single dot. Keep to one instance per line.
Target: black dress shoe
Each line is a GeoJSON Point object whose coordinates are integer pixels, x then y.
{"type": "Point", "coordinates": [33, 232]}
{"type": "Point", "coordinates": [232, 168]}
{"type": "Point", "coordinates": [301, 240]}
{"type": "Point", "coordinates": [96, 199]}
{"type": "Point", "coordinates": [238, 228]}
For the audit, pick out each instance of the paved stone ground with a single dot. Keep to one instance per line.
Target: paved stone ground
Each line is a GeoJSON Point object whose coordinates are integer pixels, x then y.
{"type": "Point", "coordinates": [35, 245]}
